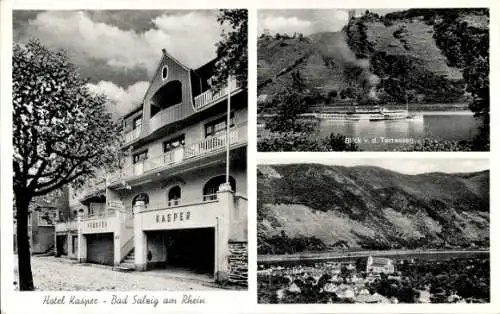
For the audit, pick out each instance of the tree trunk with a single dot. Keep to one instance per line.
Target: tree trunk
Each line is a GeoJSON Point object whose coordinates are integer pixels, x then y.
{"type": "Point", "coordinates": [23, 244]}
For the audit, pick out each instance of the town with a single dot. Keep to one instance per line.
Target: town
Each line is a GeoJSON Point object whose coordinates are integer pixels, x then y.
{"type": "Point", "coordinates": [371, 280]}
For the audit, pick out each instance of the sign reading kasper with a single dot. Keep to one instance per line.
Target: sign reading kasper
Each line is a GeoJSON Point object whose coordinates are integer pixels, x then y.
{"type": "Point", "coordinates": [183, 217]}
{"type": "Point", "coordinates": [173, 217]}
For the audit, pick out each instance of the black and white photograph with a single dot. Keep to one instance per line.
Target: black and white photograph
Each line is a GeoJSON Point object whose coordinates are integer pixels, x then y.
{"type": "Point", "coordinates": [387, 230]}
{"type": "Point", "coordinates": [130, 150]}
{"type": "Point", "coordinates": [373, 80]}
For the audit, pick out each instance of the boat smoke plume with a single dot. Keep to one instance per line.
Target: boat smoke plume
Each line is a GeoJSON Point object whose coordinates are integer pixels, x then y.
{"type": "Point", "coordinates": [340, 52]}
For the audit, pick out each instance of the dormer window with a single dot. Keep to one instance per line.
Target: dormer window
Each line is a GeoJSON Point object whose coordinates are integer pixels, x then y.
{"type": "Point", "coordinates": [164, 72]}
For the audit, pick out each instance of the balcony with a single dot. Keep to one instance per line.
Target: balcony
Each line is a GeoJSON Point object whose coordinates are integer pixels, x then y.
{"type": "Point", "coordinates": [132, 135]}
{"type": "Point", "coordinates": [210, 96]}
{"type": "Point", "coordinates": [166, 116]}
{"type": "Point", "coordinates": [205, 147]}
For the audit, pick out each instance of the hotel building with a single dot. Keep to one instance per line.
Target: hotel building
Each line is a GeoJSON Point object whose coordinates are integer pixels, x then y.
{"type": "Point", "coordinates": [180, 197]}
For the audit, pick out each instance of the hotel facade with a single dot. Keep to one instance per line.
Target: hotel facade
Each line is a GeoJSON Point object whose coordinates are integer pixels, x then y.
{"type": "Point", "coordinates": [180, 197]}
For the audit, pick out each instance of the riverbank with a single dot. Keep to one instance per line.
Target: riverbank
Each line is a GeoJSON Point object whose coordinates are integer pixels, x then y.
{"type": "Point", "coordinates": [321, 256]}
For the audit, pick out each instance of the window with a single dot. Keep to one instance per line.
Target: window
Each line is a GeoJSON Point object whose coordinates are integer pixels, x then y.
{"type": "Point", "coordinates": [141, 197]}
{"type": "Point", "coordinates": [173, 143]}
{"type": "Point", "coordinates": [212, 186]}
{"type": "Point", "coordinates": [218, 126]}
{"type": "Point", "coordinates": [164, 72]}
{"type": "Point", "coordinates": [174, 196]}
{"type": "Point", "coordinates": [137, 122]}
{"type": "Point", "coordinates": [140, 156]}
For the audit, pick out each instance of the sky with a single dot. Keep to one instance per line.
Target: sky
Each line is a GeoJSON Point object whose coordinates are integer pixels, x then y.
{"type": "Point", "coordinates": [119, 50]}
{"type": "Point", "coordinates": [406, 165]}
{"type": "Point", "coordinates": [307, 21]}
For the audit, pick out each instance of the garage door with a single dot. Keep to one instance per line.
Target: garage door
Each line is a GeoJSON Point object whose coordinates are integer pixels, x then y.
{"type": "Point", "coordinates": [100, 248]}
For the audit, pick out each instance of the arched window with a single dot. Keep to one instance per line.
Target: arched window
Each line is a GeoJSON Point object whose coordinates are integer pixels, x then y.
{"type": "Point", "coordinates": [141, 197]}
{"type": "Point", "coordinates": [212, 186]}
{"type": "Point", "coordinates": [174, 196]}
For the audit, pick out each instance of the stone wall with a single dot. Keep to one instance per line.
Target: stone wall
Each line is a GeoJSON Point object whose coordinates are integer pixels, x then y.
{"type": "Point", "coordinates": [238, 263]}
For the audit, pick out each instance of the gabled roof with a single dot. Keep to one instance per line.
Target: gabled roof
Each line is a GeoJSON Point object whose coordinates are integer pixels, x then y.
{"type": "Point", "coordinates": [164, 55]}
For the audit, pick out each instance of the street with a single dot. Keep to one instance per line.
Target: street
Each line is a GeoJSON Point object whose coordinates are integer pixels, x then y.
{"type": "Point", "coordinates": [53, 274]}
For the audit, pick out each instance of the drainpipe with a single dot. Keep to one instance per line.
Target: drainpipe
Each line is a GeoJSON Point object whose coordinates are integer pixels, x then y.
{"type": "Point", "coordinates": [228, 126]}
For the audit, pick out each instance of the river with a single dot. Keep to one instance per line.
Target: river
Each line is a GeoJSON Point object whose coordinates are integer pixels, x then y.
{"type": "Point", "coordinates": [393, 134]}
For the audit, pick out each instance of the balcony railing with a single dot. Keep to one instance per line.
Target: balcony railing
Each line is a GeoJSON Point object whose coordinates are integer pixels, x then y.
{"type": "Point", "coordinates": [166, 116]}
{"type": "Point", "coordinates": [211, 96]}
{"type": "Point", "coordinates": [68, 225]}
{"type": "Point", "coordinates": [181, 203]}
{"type": "Point", "coordinates": [185, 153]}
{"type": "Point", "coordinates": [99, 214]}
{"type": "Point", "coordinates": [132, 135]}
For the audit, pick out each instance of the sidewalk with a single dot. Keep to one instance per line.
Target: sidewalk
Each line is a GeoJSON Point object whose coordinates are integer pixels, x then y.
{"type": "Point", "coordinates": [59, 274]}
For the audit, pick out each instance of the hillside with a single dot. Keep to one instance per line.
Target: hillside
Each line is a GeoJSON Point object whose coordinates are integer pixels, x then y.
{"type": "Point", "coordinates": [390, 58]}
{"type": "Point", "coordinates": [372, 207]}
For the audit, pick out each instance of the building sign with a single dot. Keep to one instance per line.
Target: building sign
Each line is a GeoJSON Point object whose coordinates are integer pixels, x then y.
{"type": "Point", "coordinates": [99, 225]}
{"type": "Point", "coordinates": [173, 217]}
{"type": "Point", "coordinates": [201, 215]}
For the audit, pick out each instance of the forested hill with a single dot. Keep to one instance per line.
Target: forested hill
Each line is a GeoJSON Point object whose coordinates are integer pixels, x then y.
{"type": "Point", "coordinates": [414, 53]}
{"type": "Point", "coordinates": [372, 207]}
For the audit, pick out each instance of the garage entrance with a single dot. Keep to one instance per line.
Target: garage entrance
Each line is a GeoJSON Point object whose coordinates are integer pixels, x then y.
{"type": "Point", "coordinates": [100, 248]}
{"type": "Point", "coordinates": [191, 249]}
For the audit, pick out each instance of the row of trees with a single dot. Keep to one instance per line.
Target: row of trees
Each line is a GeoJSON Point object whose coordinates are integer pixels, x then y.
{"type": "Point", "coordinates": [282, 244]}
{"type": "Point", "coordinates": [62, 132]}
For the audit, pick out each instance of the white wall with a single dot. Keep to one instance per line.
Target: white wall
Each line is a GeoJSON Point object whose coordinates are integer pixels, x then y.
{"type": "Point", "coordinates": [191, 190]}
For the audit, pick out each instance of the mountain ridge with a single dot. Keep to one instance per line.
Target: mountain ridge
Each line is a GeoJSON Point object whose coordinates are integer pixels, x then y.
{"type": "Point", "coordinates": [394, 57]}
{"type": "Point", "coordinates": [373, 207]}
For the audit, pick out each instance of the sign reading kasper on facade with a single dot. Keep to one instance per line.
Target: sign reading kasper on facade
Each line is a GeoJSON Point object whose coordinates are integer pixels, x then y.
{"type": "Point", "coordinates": [173, 217]}
{"type": "Point", "coordinates": [193, 216]}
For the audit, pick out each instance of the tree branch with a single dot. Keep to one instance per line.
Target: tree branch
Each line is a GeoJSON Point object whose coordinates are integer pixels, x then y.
{"type": "Point", "coordinates": [58, 185]}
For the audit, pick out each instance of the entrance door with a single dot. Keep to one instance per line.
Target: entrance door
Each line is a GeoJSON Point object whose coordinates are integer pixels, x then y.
{"type": "Point", "coordinates": [188, 249]}
{"type": "Point", "coordinates": [100, 248]}
{"type": "Point", "coordinates": [74, 244]}
{"type": "Point", "coordinates": [61, 245]}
